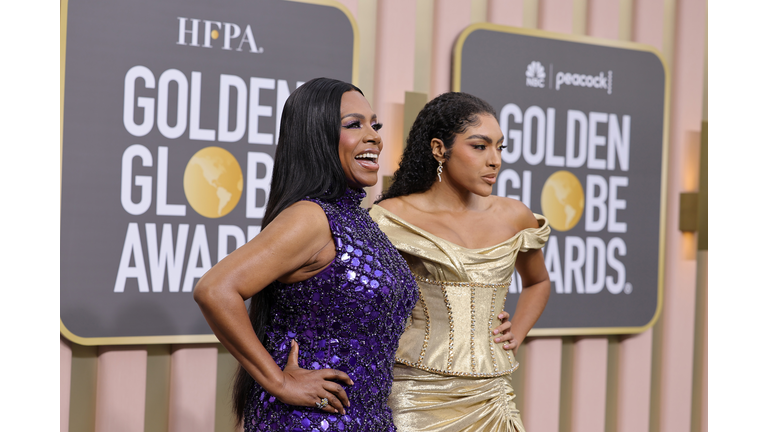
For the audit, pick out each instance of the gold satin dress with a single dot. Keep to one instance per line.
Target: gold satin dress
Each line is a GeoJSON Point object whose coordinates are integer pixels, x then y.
{"type": "Point", "coordinates": [450, 375]}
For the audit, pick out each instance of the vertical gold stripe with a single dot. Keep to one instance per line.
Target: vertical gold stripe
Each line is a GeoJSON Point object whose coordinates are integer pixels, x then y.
{"type": "Point", "coordinates": [579, 17]}
{"type": "Point", "coordinates": [414, 102]}
{"type": "Point", "coordinates": [658, 332]}
{"type": "Point", "coordinates": [625, 19]}
{"type": "Point", "coordinates": [158, 388]}
{"type": "Point", "coordinates": [226, 366]}
{"type": "Point", "coordinates": [366, 23]}
{"type": "Point", "coordinates": [566, 385]}
{"type": "Point", "coordinates": [699, 402]}
{"type": "Point", "coordinates": [479, 11]}
{"type": "Point", "coordinates": [531, 13]}
{"type": "Point", "coordinates": [422, 65]}
{"type": "Point", "coordinates": [612, 384]}
{"type": "Point", "coordinates": [670, 16]}
{"type": "Point", "coordinates": [518, 378]}
{"type": "Point", "coordinates": [82, 400]}
{"type": "Point", "coordinates": [703, 217]}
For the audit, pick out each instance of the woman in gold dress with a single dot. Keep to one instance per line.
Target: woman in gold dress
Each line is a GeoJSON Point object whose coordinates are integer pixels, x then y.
{"type": "Point", "coordinates": [462, 244]}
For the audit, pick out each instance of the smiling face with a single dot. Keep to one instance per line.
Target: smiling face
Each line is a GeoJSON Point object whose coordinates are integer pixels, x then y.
{"type": "Point", "coordinates": [359, 142]}
{"type": "Point", "coordinates": [475, 157]}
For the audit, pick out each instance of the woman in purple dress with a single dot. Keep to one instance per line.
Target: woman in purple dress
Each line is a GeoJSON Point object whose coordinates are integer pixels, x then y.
{"type": "Point", "coordinates": [329, 293]}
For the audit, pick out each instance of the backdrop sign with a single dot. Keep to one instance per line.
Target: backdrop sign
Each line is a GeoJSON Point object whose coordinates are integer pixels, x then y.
{"type": "Point", "coordinates": [171, 116]}
{"type": "Point", "coordinates": [584, 123]}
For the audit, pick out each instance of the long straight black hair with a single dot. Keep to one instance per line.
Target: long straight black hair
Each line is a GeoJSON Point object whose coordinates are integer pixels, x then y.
{"type": "Point", "coordinates": [306, 165]}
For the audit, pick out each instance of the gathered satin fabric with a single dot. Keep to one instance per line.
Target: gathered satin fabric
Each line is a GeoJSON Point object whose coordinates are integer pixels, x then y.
{"type": "Point", "coordinates": [424, 401]}
{"type": "Point", "coordinates": [450, 375]}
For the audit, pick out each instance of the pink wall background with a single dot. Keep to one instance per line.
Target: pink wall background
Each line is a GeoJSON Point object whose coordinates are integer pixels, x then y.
{"type": "Point", "coordinates": [646, 385]}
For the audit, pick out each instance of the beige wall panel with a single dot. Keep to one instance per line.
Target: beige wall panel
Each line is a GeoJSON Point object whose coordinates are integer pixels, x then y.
{"type": "Point", "coordinates": [542, 384]}
{"type": "Point", "coordinates": [506, 12]}
{"type": "Point", "coordinates": [699, 413]}
{"type": "Point", "coordinates": [590, 364]}
{"type": "Point", "coordinates": [65, 380]}
{"type": "Point", "coordinates": [680, 280]}
{"type": "Point", "coordinates": [395, 56]}
{"type": "Point", "coordinates": [634, 381]}
{"type": "Point", "coordinates": [351, 5]}
{"type": "Point", "coordinates": [556, 15]}
{"type": "Point", "coordinates": [649, 23]}
{"type": "Point", "coordinates": [603, 18]}
{"type": "Point", "coordinates": [121, 388]}
{"type": "Point", "coordinates": [451, 17]}
{"type": "Point", "coordinates": [422, 67]}
{"type": "Point", "coordinates": [82, 397]}
{"type": "Point", "coordinates": [226, 367]}
{"type": "Point", "coordinates": [193, 388]}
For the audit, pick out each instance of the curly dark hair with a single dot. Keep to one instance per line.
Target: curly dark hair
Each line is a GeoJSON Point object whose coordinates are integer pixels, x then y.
{"type": "Point", "coordinates": [443, 118]}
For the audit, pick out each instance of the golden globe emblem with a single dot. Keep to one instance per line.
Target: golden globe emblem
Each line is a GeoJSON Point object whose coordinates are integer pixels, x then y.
{"type": "Point", "coordinates": [213, 182]}
{"type": "Point", "coordinates": [562, 200]}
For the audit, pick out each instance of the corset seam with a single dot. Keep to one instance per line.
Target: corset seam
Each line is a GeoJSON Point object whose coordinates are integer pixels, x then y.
{"type": "Point", "coordinates": [472, 329]}
{"type": "Point", "coordinates": [426, 327]}
{"type": "Point", "coordinates": [490, 331]}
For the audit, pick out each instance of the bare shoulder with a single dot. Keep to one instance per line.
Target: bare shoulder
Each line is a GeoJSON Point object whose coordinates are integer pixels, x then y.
{"type": "Point", "coordinates": [395, 205]}
{"type": "Point", "coordinates": [303, 220]}
{"type": "Point", "coordinates": [515, 212]}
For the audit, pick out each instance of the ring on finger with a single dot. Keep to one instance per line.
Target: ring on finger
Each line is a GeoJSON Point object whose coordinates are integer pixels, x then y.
{"type": "Point", "coordinates": [322, 404]}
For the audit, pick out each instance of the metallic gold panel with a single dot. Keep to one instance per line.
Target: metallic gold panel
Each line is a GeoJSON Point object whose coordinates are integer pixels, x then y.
{"type": "Point", "coordinates": [366, 21]}
{"type": "Point", "coordinates": [700, 352]}
{"type": "Point", "coordinates": [158, 388]}
{"type": "Point", "coordinates": [82, 400]}
{"type": "Point", "coordinates": [625, 19]}
{"type": "Point", "coordinates": [479, 11]}
{"type": "Point", "coordinates": [580, 17]}
{"type": "Point", "coordinates": [689, 207]}
{"type": "Point", "coordinates": [414, 102]}
{"type": "Point", "coordinates": [226, 366]}
{"type": "Point", "coordinates": [703, 223]}
{"type": "Point", "coordinates": [422, 65]}
{"type": "Point", "coordinates": [612, 384]}
{"type": "Point", "coordinates": [566, 385]}
{"type": "Point", "coordinates": [531, 13]}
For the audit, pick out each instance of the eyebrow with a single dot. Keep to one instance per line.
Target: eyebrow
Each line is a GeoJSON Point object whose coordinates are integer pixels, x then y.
{"type": "Point", "coordinates": [485, 138]}
{"type": "Point", "coordinates": [360, 117]}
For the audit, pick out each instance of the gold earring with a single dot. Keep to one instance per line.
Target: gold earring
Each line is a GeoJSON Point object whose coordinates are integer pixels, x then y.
{"type": "Point", "coordinates": [439, 171]}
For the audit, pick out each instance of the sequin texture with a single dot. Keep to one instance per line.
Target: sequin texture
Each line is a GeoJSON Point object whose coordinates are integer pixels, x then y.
{"type": "Point", "coordinates": [348, 317]}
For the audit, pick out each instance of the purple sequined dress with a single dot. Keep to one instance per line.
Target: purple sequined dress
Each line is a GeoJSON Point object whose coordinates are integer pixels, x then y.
{"type": "Point", "coordinates": [348, 317]}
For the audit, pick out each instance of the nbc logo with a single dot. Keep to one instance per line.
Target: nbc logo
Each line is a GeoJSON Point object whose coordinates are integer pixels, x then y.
{"type": "Point", "coordinates": [535, 74]}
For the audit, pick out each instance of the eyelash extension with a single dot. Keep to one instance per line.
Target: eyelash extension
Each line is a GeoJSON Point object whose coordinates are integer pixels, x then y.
{"type": "Point", "coordinates": [502, 147]}
{"type": "Point", "coordinates": [354, 124]}
{"type": "Point", "coordinates": [377, 127]}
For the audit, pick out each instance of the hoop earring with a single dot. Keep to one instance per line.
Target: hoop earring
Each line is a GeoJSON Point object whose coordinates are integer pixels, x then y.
{"type": "Point", "coordinates": [439, 171]}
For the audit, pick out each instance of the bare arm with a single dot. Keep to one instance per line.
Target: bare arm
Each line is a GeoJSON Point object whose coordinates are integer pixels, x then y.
{"type": "Point", "coordinates": [293, 247]}
{"type": "Point", "coordinates": [533, 295]}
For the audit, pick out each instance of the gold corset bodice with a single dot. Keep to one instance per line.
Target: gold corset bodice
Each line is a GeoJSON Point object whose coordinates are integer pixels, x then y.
{"type": "Point", "coordinates": [461, 293]}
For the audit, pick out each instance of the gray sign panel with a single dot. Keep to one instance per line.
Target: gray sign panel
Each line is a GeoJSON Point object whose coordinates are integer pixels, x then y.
{"type": "Point", "coordinates": [170, 123]}
{"type": "Point", "coordinates": [584, 122]}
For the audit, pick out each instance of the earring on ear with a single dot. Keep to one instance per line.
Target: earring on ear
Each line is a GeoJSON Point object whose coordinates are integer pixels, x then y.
{"type": "Point", "coordinates": [439, 171]}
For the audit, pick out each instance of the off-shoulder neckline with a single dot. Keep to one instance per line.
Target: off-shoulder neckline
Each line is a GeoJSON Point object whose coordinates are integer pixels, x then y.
{"type": "Point", "coordinates": [429, 234]}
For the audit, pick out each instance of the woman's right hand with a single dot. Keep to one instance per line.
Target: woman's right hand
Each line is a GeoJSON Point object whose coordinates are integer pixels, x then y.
{"type": "Point", "coordinates": [303, 387]}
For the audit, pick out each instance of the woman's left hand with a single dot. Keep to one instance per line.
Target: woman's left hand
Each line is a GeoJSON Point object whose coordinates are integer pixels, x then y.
{"type": "Point", "coordinates": [503, 334]}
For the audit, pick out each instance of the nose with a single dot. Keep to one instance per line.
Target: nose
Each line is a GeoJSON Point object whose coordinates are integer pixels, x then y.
{"type": "Point", "coordinates": [373, 136]}
{"type": "Point", "coordinates": [494, 159]}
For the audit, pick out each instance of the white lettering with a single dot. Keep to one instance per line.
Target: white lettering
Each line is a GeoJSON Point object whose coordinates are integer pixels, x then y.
{"type": "Point", "coordinates": [575, 256]}
{"type": "Point", "coordinates": [512, 137]}
{"type": "Point", "coordinates": [181, 105]}
{"type": "Point", "coordinates": [163, 208]}
{"type": "Point", "coordinates": [595, 140]}
{"type": "Point", "coordinates": [616, 285]}
{"type": "Point", "coordinates": [572, 160]}
{"type": "Point", "coordinates": [531, 157]}
{"type": "Point", "coordinates": [552, 159]}
{"type": "Point", "coordinates": [146, 103]}
{"type": "Point", "coordinates": [596, 195]}
{"type": "Point", "coordinates": [231, 31]}
{"type": "Point", "coordinates": [225, 232]}
{"type": "Point", "coordinates": [132, 248]}
{"type": "Point", "coordinates": [615, 204]}
{"type": "Point", "coordinates": [255, 184]}
{"type": "Point", "coordinates": [227, 81]}
{"type": "Point", "coordinates": [199, 251]}
{"type": "Point", "coordinates": [552, 263]}
{"type": "Point", "coordinates": [618, 142]}
{"type": "Point", "coordinates": [255, 111]}
{"type": "Point", "coordinates": [195, 131]}
{"type": "Point", "coordinates": [166, 257]}
{"type": "Point", "coordinates": [183, 31]}
{"type": "Point", "coordinates": [143, 182]}
{"type": "Point", "coordinates": [595, 271]}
